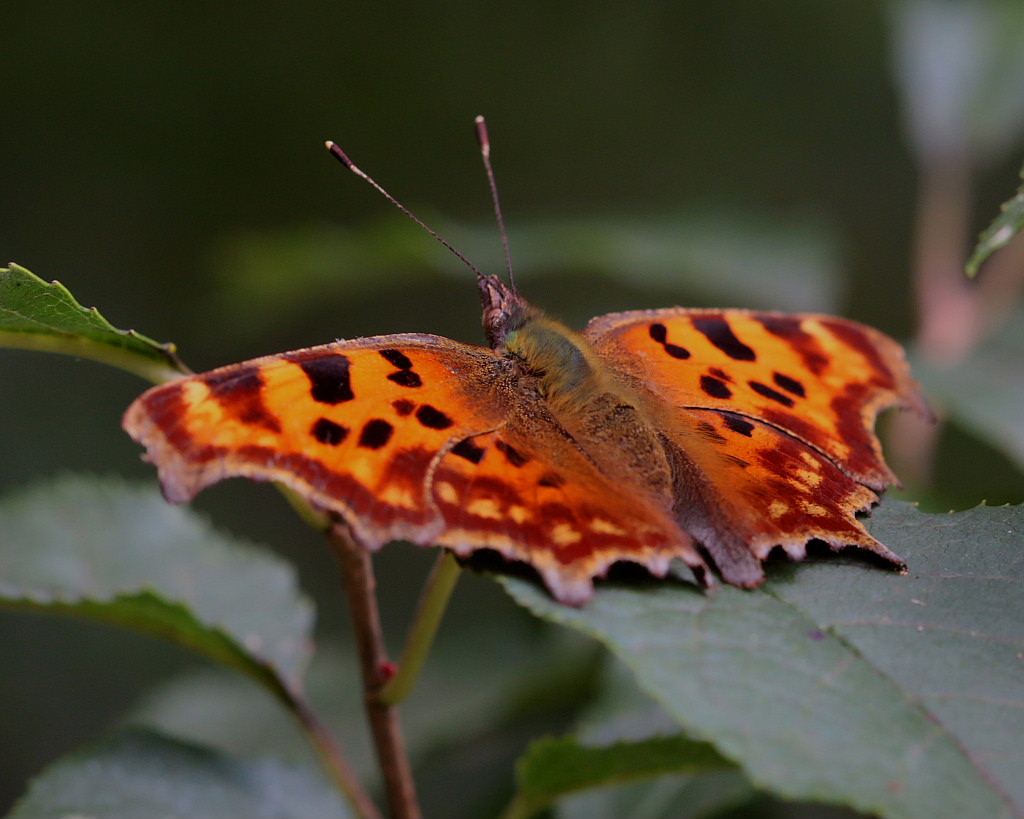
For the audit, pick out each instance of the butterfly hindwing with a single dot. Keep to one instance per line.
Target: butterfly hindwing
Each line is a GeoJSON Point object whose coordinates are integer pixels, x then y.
{"type": "Point", "coordinates": [771, 420]}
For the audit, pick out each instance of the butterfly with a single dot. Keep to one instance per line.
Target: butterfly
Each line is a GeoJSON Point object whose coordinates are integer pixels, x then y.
{"type": "Point", "coordinates": [709, 436]}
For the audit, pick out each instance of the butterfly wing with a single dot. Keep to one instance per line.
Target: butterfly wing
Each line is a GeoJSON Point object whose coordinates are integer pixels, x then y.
{"type": "Point", "coordinates": [771, 418]}
{"type": "Point", "coordinates": [527, 491]}
{"type": "Point", "coordinates": [407, 437]}
{"type": "Point", "coordinates": [353, 426]}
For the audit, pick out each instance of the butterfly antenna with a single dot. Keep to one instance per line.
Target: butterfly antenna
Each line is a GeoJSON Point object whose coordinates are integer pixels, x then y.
{"type": "Point", "coordinates": [485, 152]}
{"type": "Point", "coordinates": [342, 157]}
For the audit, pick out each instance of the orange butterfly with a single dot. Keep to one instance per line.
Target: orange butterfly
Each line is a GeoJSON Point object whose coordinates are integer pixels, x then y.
{"type": "Point", "coordinates": [651, 435]}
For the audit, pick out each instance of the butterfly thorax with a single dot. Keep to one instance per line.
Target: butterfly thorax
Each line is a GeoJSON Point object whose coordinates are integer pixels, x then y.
{"type": "Point", "coordinates": [583, 396]}
{"type": "Point", "coordinates": [560, 363]}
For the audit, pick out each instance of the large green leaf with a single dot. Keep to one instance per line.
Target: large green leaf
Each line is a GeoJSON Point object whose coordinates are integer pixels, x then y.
{"type": "Point", "coordinates": [109, 551]}
{"type": "Point", "coordinates": [35, 315]}
{"type": "Point", "coordinates": [146, 775]}
{"type": "Point", "coordinates": [840, 682]}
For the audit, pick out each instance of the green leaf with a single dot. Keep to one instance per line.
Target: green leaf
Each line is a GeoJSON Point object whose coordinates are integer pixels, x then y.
{"type": "Point", "coordinates": [839, 682]}
{"type": "Point", "coordinates": [105, 550]}
{"type": "Point", "coordinates": [1004, 227]}
{"type": "Point", "coordinates": [143, 774]}
{"type": "Point", "coordinates": [553, 768]}
{"type": "Point", "coordinates": [35, 315]}
{"type": "Point", "coordinates": [621, 711]}
{"type": "Point", "coordinates": [675, 796]}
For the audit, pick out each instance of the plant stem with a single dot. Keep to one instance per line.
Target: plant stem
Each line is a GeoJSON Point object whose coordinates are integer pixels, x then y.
{"type": "Point", "coordinates": [361, 587]}
{"type": "Point", "coordinates": [432, 605]}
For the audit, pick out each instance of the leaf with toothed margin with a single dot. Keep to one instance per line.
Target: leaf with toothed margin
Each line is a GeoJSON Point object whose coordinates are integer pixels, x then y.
{"type": "Point", "coordinates": [104, 550]}
{"type": "Point", "coordinates": [35, 315]}
{"type": "Point", "coordinates": [139, 772]}
{"type": "Point", "coordinates": [900, 696]}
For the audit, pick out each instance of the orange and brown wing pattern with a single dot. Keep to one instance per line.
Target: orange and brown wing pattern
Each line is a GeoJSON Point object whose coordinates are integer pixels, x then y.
{"type": "Point", "coordinates": [775, 414]}
{"type": "Point", "coordinates": [354, 426]}
{"type": "Point", "coordinates": [821, 379]}
{"type": "Point", "coordinates": [764, 488]}
{"type": "Point", "coordinates": [408, 437]}
{"type": "Point", "coordinates": [536, 498]}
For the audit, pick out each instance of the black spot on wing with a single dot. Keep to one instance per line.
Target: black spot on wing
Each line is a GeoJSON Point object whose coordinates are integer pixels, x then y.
{"type": "Point", "coordinates": [239, 390]}
{"type": "Point", "coordinates": [403, 406]}
{"type": "Point", "coordinates": [375, 434]}
{"type": "Point", "coordinates": [406, 378]}
{"type": "Point", "coordinates": [789, 384]}
{"type": "Point", "coordinates": [719, 333]}
{"type": "Point", "coordinates": [737, 424]}
{"type": "Point", "coordinates": [769, 393]}
{"type": "Point", "coordinates": [715, 387]}
{"type": "Point", "coordinates": [512, 455]}
{"type": "Point", "coordinates": [329, 379]}
{"type": "Point", "coordinates": [396, 358]}
{"type": "Point", "coordinates": [659, 333]}
{"type": "Point", "coordinates": [328, 432]}
{"type": "Point", "coordinates": [432, 417]}
{"type": "Point", "coordinates": [469, 451]}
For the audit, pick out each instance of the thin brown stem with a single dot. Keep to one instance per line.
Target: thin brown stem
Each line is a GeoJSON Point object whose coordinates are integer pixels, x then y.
{"type": "Point", "coordinates": [361, 587]}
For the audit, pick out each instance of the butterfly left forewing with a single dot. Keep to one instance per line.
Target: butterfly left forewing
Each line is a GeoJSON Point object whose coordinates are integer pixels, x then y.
{"type": "Point", "coordinates": [354, 426]}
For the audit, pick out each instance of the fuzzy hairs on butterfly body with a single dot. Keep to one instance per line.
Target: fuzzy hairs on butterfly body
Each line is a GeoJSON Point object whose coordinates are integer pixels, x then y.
{"type": "Point", "coordinates": [599, 410]}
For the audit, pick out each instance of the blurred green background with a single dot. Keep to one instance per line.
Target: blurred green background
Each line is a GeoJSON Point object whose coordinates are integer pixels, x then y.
{"type": "Point", "coordinates": [165, 162]}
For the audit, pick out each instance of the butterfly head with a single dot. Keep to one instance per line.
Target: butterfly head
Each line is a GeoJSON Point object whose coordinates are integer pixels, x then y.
{"type": "Point", "coordinates": [503, 309]}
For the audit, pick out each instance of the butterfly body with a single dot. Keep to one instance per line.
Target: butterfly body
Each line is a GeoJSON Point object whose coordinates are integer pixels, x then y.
{"type": "Point", "coordinates": [651, 435]}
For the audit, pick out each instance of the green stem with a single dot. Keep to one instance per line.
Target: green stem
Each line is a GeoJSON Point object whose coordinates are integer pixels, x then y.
{"type": "Point", "coordinates": [150, 369]}
{"type": "Point", "coordinates": [433, 602]}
